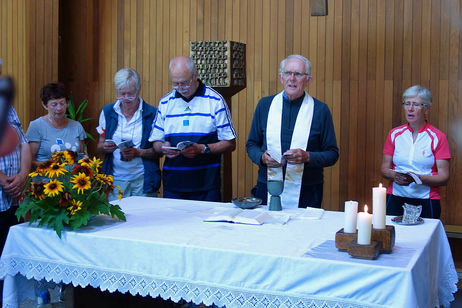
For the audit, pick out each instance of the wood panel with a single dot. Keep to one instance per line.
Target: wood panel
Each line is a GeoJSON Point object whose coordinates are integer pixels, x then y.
{"type": "Point", "coordinates": [364, 53]}
{"type": "Point", "coordinates": [29, 49]}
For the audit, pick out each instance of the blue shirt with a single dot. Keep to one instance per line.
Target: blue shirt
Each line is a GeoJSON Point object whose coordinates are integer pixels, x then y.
{"type": "Point", "coordinates": [11, 163]}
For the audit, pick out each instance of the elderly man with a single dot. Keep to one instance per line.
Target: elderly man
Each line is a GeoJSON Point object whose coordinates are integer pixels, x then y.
{"type": "Point", "coordinates": [194, 114]}
{"type": "Point", "coordinates": [292, 138]}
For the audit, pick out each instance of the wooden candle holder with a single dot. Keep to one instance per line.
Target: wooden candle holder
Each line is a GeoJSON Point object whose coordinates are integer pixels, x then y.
{"type": "Point", "coordinates": [369, 252]}
{"type": "Point", "coordinates": [342, 239]}
{"type": "Point", "coordinates": [386, 236]}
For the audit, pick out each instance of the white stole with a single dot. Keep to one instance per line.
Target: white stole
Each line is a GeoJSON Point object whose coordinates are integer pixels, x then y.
{"type": "Point", "coordinates": [294, 172]}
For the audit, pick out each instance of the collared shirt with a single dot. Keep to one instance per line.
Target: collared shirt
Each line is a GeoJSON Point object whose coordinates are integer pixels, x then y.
{"type": "Point", "coordinates": [126, 130]}
{"type": "Point", "coordinates": [11, 163]}
{"type": "Point", "coordinates": [417, 156]}
{"type": "Point", "coordinates": [204, 118]}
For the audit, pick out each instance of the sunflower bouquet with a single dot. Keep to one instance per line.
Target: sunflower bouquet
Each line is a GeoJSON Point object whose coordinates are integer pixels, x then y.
{"type": "Point", "coordinates": [62, 192]}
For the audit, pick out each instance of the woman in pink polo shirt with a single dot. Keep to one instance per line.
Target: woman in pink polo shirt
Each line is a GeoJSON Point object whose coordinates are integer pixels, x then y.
{"type": "Point", "coordinates": [416, 158]}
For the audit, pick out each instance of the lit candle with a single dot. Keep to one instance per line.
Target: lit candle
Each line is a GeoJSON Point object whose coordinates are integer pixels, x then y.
{"type": "Point", "coordinates": [379, 201]}
{"type": "Point", "coordinates": [351, 212]}
{"type": "Point", "coordinates": [364, 227]}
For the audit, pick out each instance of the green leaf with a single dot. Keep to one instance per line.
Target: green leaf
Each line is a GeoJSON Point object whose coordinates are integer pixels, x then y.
{"type": "Point", "coordinates": [83, 105]}
{"type": "Point", "coordinates": [79, 219]}
{"type": "Point", "coordinates": [117, 212]}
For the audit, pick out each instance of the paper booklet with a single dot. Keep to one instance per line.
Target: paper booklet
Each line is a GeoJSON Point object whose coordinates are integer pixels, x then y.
{"type": "Point", "coordinates": [312, 213]}
{"type": "Point", "coordinates": [123, 145]}
{"type": "Point", "coordinates": [249, 217]}
{"type": "Point", "coordinates": [414, 176]}
{"type": "Point", "coordinates": [180, 145]}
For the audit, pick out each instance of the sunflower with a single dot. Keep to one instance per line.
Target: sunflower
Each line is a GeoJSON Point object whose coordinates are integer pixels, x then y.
{"type": "Point", "coordinates": [53, 188]}
{"type": "Point", "coordinates": [35, 173]}
{"type": "Point", "coordinates": [85, 162]}
{"type": "Point", "coordinates": [70, 157]}
{"type": "Point", "coordinates": [58, 157]}
{"type": "Point", "coordinates": [37, 190]}
{"type": "Point", "coordinates": [82, 169]}
{"type": "Point", "coordinates": [81, 181]}
{"type": "Point", "coordinates": [55, 170]}
{"type": "Point", "coordinates": [65, 199]}
{"type": "Point", "coordinates": [96, 163]}
{"type": "Point", "coordinates": [120, 192]}
{"type": "Point", "coordinates": [104, 179]}
{"type": "Point", "coordinates": [42, 169]}
{"type": "Point", "coordinates": [76, 206]}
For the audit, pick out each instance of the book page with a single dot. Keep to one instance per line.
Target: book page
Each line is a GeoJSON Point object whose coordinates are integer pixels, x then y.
{"type": "Point", "coordinates": [224, 215]}
{"type": "Point", "coordinates": [252, 217]}
{"type": "Point", "coordinates": [414, 176]}
{"type": "Point", "coordinates": [311, 213]}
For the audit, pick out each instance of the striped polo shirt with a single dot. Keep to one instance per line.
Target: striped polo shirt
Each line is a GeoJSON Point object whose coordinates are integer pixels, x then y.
{"type": "Point", "coordinates": [204, 119]}
{"type": "Point", "coordinates": [419, 157]}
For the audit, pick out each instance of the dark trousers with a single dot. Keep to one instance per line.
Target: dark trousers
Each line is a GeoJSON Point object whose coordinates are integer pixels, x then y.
{"type": "Point", "coordinates": [310, 195]}
{"type": "Point", "coordinates": [7, 219]}
{"type": "Point", "coordinates": [431, 208]}
{"type": "Point", "coordinates": [211, 195]}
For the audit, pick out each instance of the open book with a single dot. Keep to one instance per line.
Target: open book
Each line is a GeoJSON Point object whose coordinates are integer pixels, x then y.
{"type": "Point", "coordinates": [122, 145]}
{"type": "Point", "coordinates": [250, 217]}
{"type": "Point", "coordinates": [414, 176]}
{"type": "Point", "coordinates": [180, 145]}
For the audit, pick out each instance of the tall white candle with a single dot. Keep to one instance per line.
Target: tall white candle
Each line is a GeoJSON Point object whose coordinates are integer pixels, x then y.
{"type": "Point", "coordinates": [379, 207]}
{"type": "Point", "coordinates": [351, 212]}
{"type": "Point", "coordinates": [364, 227]}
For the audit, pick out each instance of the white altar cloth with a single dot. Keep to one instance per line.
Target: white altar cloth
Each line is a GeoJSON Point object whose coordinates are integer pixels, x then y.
{"type": "Point", "coordinates": [164, 248]}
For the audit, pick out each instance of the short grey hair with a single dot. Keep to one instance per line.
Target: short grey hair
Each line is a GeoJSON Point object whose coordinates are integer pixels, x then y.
{"type": "Point", "coordinates": [421, 92]}
{"type": "Point", "coordinates": [124, 79]}
{"type": "Point", "coordinates": [299, 57]}
{"type": "Point", "coordinates": [189, 64]}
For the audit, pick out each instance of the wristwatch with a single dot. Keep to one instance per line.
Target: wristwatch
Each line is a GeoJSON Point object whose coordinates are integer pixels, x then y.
{"type": "Point", "coordinates": [206, 149]}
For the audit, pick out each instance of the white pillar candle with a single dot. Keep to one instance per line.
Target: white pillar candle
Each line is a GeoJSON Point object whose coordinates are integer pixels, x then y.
{"type": "Point", "coordinates": [379, 207]}
{"type": "Point", "coordinates": [364, 227]}
{"type": "Point", "coordinates": [351, 212]}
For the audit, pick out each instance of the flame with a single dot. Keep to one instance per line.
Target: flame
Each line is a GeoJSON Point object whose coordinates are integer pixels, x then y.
{"type": "Point", "coordinates": [365, 208]}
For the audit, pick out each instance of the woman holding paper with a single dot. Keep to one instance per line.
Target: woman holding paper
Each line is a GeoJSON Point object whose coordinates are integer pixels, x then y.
{"type": "Point", "coordinates": [124, 129]}
{"type": "Point", "coordinates": [416, 158]}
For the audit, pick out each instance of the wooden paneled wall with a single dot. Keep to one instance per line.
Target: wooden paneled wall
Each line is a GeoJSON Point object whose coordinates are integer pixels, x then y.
{"type": "Point", "coordinates": [364, 53]}
{"type": "Point", "coordinates": [29, 49]}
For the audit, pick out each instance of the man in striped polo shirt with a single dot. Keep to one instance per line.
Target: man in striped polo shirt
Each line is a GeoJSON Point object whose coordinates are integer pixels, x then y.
{"type": "Point", "coordinates": [196, 113]}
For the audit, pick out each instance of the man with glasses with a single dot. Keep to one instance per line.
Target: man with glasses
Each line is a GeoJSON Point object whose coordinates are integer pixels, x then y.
{"type": "Point", "coordinates": [292, 138]}
{"type": "Point", "coordinates": [192, 129]}
{"type": "Point", "coordinates": [124, 128]}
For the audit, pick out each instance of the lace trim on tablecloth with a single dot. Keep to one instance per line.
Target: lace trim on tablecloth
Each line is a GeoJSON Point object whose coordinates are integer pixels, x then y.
{"type": "Point", "coordinates": [166, 288]}
{"type": "Point", "coordinates": [447, 285]}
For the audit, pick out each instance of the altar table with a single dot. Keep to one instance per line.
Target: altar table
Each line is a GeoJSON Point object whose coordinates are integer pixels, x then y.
{"type": "Point", "coordinates": [165, 248]}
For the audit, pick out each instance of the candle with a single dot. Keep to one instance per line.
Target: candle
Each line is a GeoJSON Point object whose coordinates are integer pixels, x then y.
{"type": "Point", "coordinates": [364, 227]}
{"type": "Point", "coordinates": [351, 212]}
{"type": "Point", "coordinates": [379, 201]}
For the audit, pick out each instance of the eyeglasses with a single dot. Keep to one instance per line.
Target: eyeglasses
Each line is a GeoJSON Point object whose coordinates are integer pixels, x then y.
{"type": "Point", "coordinates": [298, 75]}
{"type": "Point", "coordinates": [183, 85]}
{"type": "Point", "coordinates": [413, 104]}
{"type": "Point", "coordinates": [126, 98]}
